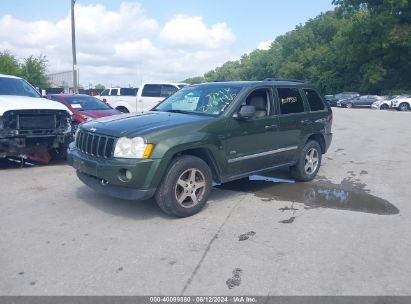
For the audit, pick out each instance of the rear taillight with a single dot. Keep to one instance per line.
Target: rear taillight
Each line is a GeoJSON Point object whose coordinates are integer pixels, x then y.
{"type": "Point", "coordinates": [330, 118]}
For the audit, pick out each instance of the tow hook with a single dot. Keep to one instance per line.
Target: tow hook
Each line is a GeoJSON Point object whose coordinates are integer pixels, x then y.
{"type": "Point", "coordinates": [104, 182]}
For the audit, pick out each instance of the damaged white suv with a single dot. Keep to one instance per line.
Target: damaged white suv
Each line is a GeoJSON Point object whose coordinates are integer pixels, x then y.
{"type": "Point", "coordinates": [30, 124]}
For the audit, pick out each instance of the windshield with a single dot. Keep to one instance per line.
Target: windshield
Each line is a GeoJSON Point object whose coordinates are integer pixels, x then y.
{"type": "Point", "coordinates": [209, 100]}
{"type": "Point", "coordinates": [86, 103]}
{"type": "Point", "coordinates": [18, 87]}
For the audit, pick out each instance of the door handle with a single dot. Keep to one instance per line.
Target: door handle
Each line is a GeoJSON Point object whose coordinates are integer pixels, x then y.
{"type": "Point", "coordinates": [305, 122]}
{"type": "Point", "coordinates": [271, 127]}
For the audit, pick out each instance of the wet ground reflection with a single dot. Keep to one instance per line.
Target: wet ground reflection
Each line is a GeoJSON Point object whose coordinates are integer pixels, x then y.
{"type": "Point", "coordinates": [317, 194]}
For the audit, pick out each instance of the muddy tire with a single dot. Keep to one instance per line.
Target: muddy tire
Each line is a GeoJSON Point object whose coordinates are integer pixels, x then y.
{"type": "Point", "coordinates": [185, 188]}
{"type": "Point", "coordinates": [308, 163]}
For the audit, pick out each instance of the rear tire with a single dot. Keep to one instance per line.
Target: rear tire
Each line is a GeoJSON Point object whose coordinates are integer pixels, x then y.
{"type": "Point", "coordinates": [185, 188]}
{"type": "Point", "coordinates": [384, 107]}
{"type": "Point", "coordinates": [403, 107]}
{"type": "Point", "coordinates": [308, 163]}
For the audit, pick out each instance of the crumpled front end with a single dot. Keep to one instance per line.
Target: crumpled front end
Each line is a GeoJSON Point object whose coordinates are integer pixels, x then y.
{"type": "Point", "coordinates": [25, 132]}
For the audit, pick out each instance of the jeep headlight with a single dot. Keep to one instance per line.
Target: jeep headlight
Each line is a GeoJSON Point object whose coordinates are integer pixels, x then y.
{"type": "Point", "coordinates": [132, 148]}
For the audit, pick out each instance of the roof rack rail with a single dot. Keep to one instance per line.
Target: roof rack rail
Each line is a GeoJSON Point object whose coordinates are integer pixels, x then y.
{"type": "Point", "coordinates": [285, 79]}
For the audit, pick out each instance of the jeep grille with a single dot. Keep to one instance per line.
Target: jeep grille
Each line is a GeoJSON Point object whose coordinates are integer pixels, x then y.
{"type": "Point", "coordinates": [95, 144]}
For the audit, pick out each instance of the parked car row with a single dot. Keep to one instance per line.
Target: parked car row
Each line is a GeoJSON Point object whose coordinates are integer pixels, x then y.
{"type": "Point", "coordinates": [355, 100]}
{"type": "Point", "coordinates": [145, 155]}
{"type": "Point", "coordinates": [38, 126]}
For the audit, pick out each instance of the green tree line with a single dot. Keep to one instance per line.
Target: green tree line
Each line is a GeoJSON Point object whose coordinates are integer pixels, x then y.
{"type": "Point", "coordinates": [360, 46]}
{"type": "Point", "coordinates": [31, 68]}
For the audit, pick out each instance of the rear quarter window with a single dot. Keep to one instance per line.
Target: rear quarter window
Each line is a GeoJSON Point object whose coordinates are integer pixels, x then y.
{"type": "Point", "coordinates": [314, 100]}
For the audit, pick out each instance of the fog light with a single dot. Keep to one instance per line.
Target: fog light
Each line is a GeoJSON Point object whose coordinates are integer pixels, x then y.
{"type": "Point", "coordinates": [125, 175]}
{"type": "Point", "coordinates": [129, 175]}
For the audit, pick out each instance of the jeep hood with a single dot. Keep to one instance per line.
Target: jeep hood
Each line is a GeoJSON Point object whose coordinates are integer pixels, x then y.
{"type": "Point", "coordinates": [131, 125]}
{"type": "Point", "coordinates": [11, 102]}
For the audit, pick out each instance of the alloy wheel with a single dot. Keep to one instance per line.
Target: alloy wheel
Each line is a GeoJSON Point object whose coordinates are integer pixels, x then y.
{"type": "Point", "coordinates": [190, 188]}
{"type": "Point", "coordinates": [311, 161]}
{"type": "Point", "coordinates": [403, 107]}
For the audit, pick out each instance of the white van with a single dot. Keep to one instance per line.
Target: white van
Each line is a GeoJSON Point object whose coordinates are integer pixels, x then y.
{"type": "Point", "coordinates": [148, 96]}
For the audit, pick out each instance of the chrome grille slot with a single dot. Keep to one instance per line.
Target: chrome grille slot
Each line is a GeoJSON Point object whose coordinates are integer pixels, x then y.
{"type": "Point", "coordinates": [95, 144]}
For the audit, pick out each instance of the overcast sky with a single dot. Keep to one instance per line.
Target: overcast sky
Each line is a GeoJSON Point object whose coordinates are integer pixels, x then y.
{"type": "Point", "coordinates": [124, 43]}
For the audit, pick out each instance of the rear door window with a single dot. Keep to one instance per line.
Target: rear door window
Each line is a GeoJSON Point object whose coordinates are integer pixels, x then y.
{"type": "Point", "coordinates": [128, 92]}
{"type": "Point", "coordinates": [314, 100]}
{"type": "Point", "coordinates": [151, 90]}
{"type": "Point", "coordinates": [290, 100]}
{"type": "Point", "coordinates": [105, 93]}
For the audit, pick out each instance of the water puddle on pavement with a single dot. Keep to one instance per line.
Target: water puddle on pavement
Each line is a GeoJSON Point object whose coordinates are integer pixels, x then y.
{"type": "Point", "coordinates": [321, 193]}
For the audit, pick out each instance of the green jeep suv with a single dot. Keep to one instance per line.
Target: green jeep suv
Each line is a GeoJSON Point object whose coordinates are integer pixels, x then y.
{"type": "Point", "coordinates": [209, 132]}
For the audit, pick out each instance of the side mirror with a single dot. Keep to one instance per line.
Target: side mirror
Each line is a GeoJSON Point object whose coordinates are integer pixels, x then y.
{"type": "Point", "coordinates": [246, 112]}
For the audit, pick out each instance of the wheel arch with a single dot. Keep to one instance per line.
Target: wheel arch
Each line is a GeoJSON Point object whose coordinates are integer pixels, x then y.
{"type": "Point", "coordinates": [120, 104]}
{"type": "Point", "coordinates": [318, 137]}
{"type": "Point", "coordinates": [118, 107]}
{"type": "Point", "coordinates": [206, 155]}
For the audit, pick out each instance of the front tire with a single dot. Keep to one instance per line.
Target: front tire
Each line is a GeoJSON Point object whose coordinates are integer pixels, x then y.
{"type": "Point", "coordinates": [185, 188]}
{"type": "Point", "coordinates": [308, 163]}
{"type": "Point", "coordinates": [403, 107]}
{"type": "Point", "coordinates": [349, 105]}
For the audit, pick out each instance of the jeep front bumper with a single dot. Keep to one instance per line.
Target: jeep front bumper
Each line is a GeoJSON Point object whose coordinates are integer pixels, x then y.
{"type": "Point", "coordinates": [109, 176]}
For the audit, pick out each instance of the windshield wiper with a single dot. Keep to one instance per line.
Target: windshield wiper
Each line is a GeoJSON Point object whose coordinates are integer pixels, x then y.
{"type": "Point", "coordinates": [179, 111]}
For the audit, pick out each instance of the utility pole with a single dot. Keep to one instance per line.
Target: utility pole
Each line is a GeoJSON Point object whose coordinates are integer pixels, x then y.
{"type": "Point", "coordinates": [73, 47]}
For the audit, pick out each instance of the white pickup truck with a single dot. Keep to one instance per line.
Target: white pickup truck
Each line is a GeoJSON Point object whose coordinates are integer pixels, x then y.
{"type": "Point", "coordinates": [147, 97]}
